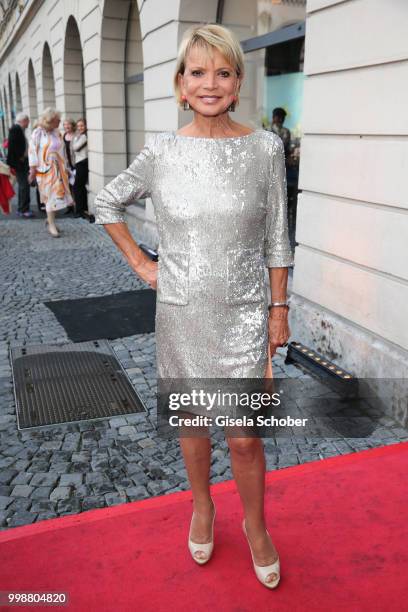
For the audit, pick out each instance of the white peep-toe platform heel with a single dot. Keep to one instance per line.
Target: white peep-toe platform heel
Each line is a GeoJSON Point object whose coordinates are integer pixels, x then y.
{"type": "Point", "coordinates": [206, 548]}
{"type": "Point", "coordinates": [263, 571]}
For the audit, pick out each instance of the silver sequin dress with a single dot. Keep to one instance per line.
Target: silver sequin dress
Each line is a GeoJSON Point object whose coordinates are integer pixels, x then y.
{"type": "Point", "coordinates": [220, 207]}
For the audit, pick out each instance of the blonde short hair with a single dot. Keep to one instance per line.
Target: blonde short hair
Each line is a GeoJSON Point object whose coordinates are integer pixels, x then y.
{"type": "Point", "coordinates": [206, 37]}
{"type": "Point", "coordinates": [71, 122]}
{"type": "Point", "coordinates": [47, 117]}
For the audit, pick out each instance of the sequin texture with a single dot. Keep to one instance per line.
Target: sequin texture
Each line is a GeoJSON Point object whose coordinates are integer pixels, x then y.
{"type": "Point", "coordinates": [220, 207]}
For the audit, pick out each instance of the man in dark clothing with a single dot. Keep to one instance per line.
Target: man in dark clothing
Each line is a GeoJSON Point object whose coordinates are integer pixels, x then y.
{"type": "Point", "coordinates": [278, 118]}
{"type": "Point", "coordinates": [292, 169]}
{"type": "Point", "coordinates": [17, 158]}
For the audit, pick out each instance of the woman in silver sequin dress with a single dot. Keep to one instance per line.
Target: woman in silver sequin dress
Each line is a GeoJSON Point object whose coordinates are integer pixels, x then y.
{"type": "Point", "coordinates": [219, 194]}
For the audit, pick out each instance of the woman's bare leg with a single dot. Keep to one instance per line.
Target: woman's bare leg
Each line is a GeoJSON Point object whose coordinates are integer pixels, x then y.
{"type": "Point", "coordinates": [248, 467]}
{"type": "Point", "coordinates": [52, 228]}
{"type": "Point", "coordinates": [197, 458]}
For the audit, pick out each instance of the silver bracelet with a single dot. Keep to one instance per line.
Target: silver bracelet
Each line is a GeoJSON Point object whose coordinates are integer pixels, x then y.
{"type": "Point", "coordinates": [279, 304]}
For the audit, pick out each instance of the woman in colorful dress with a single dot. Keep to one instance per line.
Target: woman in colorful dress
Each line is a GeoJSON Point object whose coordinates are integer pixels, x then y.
{"type": "Point", "coordinates": [49, 166]}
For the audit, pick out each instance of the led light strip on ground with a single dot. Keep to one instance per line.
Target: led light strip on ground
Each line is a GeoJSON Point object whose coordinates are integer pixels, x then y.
{"type": "Point", "coordinates": [298, 352]}
{"type": "Point", "coordinates": [320, 365]}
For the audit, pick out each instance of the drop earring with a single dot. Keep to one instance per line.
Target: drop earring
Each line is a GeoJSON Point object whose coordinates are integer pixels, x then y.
{"type": "Point", "coordinates": [186, 105]}
{"type": "Point", "coordinates": [231, 107]}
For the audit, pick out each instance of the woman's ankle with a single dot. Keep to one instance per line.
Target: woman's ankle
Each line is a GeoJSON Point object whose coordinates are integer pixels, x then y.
{"type": "Point", "coordinates": [203, 505]}
{"type": "Point", "coordinates": [255, 525]}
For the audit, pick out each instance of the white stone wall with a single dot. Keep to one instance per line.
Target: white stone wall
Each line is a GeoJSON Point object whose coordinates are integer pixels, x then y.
{"type": "Point", "coordinates": [351, 274]}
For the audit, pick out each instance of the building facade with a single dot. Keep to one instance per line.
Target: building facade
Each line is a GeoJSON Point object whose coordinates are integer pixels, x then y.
{"type": "Point", "coordinates": [350, 281]}
{"type": "Point", "coordinates": [338, 67]}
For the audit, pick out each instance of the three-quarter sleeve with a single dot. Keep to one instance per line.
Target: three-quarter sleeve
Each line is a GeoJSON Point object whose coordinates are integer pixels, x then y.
{"type": "Point", "coordinates": [277, 250]}
{"type": "Point", "coordinates": [133, 183]}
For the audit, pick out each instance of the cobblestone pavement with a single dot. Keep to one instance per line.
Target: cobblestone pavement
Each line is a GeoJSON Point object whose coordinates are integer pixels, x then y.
{"type": "Point", "coordinates": [58, 470]}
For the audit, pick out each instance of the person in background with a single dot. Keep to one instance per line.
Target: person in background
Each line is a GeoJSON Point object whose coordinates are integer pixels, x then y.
{"type": "Point", "coordinates": [40, 205]}
{"type": "Point", "coordinates": [3, 150]}
{"type": "Point", "coordinates": [69, 133]}
{"type": "Point", "coordinates": [291, 167]}
{"type": "Point", "coordinates": [48, 165]}
{"type": "Point", "coordinates": [278, 119]}
{"type": "Point", "coordinates": [17, 158]}
{"type": "Point", "coordinates": [80, 148]}
{"type": "Point", "coordinates": [6, 188]}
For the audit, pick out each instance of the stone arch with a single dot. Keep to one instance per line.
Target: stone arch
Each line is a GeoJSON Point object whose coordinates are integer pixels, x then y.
{"type": "Point", "coordinates": [74, 82]}
{"type": "Point", "coordinates": [19, 100]}
{"type": "Point", "coordinates": [11, 100]}
{"type": "Point", "coordinates": [121, 86]}
{"type": "Point", "coordinates": [2, 116]}
{"type": "Point", "coordinates": [134, 84]}
{"type": "Point", "coordinates": [48, 83]}
{"type": "Point", "coordinates": [122, 96]}
{"type": "Point", "coordinates": [115, 94]}
{"type": "Point", "coordinates": [6, 109]}
{"type": "Point", "coordinates": [32, 94]}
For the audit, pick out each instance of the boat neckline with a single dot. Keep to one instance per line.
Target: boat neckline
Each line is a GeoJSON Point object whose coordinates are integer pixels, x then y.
{"type": "Point", "coordinates": [209, 138]}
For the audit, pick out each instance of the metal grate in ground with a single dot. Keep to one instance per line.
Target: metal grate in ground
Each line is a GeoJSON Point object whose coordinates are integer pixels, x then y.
{"type": "Point", "coordinates": [69, 383]}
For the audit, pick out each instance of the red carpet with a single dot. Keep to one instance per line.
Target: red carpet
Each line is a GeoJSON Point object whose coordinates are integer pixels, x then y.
{"type": "Point", "coordinates": [340, 526]}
